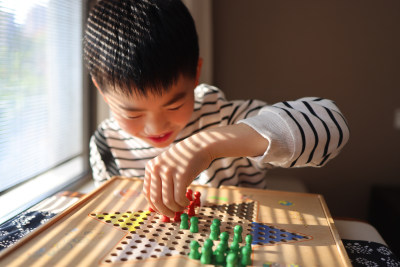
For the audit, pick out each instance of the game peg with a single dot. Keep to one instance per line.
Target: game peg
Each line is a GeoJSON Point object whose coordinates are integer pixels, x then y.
{"type": "Point", "coordinates": [223, 245]}
{"type": "Point", "coordinates": [219, 257]}
{"type": "Point", "coordinates": [191, 207]}
{"type": "Point", "coordinates": [151, 209]}
{"type": "Point", "coordinates": [184, 221]}
{"type": "Point", "coordinates": [231, 259]}
{"type": "Point", "coordinates": [197, 195]}
{"type": "Point", "coordinates": [165, 219]}
{"type": "Point", "coordinates": [177, 217]}
{"type": "Point", "coordinates": [214, 231]}
{"type": "Point", "coordinates": [194, 250]}
{"type": "Point", "coordinates": [237, 233]}
{"type": "Point", "coordinates": [246, 253]}
{"type": "Point", "coordinates": [218, 223]}
{"type": "Point", "coordinates": [234, 247]}
{"type": "Point", "coordinates": [194, 225]}
{"type": "Point", "coordinates": [249, 240]}
{"type": "Point", "coordinates": [189, 194]}
{"type": "Point", "coordinates": [206, 252]}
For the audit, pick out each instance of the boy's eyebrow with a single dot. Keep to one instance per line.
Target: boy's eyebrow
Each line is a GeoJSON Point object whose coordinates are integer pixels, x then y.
{"type": "Point", "coordinates": [174, 99]}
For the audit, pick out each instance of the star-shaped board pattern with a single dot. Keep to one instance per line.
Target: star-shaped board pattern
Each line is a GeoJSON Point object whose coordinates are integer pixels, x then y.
{"type": "Point", "coordinates": [148, 237]}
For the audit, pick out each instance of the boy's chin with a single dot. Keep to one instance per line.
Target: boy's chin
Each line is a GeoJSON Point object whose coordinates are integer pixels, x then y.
{"type": "Point", "coordinates": [166, 144]}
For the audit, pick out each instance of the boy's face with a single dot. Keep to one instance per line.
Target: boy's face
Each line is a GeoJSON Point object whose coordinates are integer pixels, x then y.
{"type": "Point", "coordinates": [156, 119]}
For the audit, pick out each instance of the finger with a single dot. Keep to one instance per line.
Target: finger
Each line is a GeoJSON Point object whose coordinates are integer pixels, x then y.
{"type": "Point", "coordinates": [168, 193]}
{"type": "Point", "coordinates": [156, 194]}
{"type": "Point", "coordinates": [180, 195]}
{"type": "Point", "coordinates": [146, 187]}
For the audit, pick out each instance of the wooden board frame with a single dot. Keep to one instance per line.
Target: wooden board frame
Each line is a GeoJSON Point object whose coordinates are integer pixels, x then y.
{"type": "Point", "coordinates": [76, 238]}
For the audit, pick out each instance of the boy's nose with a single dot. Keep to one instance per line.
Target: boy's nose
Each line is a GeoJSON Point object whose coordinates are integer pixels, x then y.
{"type": "Point", "coordinates": [155, 125]}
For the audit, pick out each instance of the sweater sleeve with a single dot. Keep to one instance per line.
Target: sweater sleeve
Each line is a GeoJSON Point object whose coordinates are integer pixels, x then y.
{"type": "Point", "coordinates": [307, 132]}
{"type": "Point", "coordinates": [101, 159]}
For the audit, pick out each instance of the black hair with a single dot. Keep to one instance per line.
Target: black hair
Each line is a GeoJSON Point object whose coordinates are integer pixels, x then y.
{"type": "Point", "coordinates": [140, 44]}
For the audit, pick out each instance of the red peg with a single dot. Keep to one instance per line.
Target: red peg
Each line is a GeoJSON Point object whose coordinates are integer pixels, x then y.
{"type": "Point", "coordinates": [177, 217]}
{"type": "Point", "coordinates": [197, 195]}
{"type": "Point", "coordinates": [189, 194]}
{"type": "Point", "coordinates": [165, 219]}
{"type": "Point", "coordinates": [191, 207]}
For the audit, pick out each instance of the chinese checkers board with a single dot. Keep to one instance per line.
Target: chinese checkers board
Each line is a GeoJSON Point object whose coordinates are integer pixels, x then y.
{"type": "Point", "coordinates": [113, 226]}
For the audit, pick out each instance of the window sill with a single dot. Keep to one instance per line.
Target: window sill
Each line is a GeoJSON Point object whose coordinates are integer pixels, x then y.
{"type": "Point", "coordinates": [33, 191]}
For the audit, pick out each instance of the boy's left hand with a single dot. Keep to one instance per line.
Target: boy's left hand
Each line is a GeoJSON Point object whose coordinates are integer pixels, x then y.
{"type": "Point", "coordinates": [168, 175]}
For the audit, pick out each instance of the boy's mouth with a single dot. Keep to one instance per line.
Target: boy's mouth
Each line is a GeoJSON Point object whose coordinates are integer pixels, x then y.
{"type": "Point", "coordinates": [160, 138]}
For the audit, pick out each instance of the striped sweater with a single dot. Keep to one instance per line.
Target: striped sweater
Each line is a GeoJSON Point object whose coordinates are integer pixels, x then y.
{"type": "Point", "coordinates": [307, 132]}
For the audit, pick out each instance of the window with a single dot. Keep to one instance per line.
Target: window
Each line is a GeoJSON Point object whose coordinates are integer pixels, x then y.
{"type": "Point", "coordinates": [42, 121]}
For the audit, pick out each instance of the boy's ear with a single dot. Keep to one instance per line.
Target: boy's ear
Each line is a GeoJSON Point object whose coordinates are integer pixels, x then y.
{"type": "Point", "coordinates": [198, 71]}
{"type": "Point", "coordinates": [98, 89]}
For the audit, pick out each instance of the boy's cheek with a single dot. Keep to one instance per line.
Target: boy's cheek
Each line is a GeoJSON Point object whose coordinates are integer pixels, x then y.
{"type": "Point", "coordinates": [129, 126]}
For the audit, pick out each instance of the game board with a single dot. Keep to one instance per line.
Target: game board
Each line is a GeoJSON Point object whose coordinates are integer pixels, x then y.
{"type": "Point", "coordinates": [113, 226]}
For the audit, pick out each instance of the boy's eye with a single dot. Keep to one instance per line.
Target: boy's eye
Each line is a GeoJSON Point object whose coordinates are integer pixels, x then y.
{"type": "Point", "coordinates": [175, 108]}
{"type": "Point", "coordinates": [133, 117]}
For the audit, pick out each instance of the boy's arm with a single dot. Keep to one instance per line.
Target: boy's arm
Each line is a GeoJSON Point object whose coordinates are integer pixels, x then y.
{"type": "Point", "coordinates": [306, 132]}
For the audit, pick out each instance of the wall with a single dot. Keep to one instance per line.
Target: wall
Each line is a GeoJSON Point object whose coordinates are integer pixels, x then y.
{"type": "Point", "coordinates": [348, 51]}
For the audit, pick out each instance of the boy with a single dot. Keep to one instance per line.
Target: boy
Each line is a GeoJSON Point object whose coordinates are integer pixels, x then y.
{"type": "Point", "coordinates": [143, 57]}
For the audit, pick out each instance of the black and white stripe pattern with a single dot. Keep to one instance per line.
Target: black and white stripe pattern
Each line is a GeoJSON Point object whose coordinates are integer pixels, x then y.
{"type": "Point", "coordinates": [306, 132]}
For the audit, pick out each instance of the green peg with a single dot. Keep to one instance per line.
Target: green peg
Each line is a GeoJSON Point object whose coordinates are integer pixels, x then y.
{"type": "Point", "coordinates": [194, 250]}
{"type": "Point", "coordinates": [237, 233]}
{"type": "Point", "coordinates": [231, 259]}
{"type": "Point", "coordinates": [194, 224]}
{"type": "Point", "coordinates": [235, 247]}
{"type": "Point", "coordinates": [223, 245]}
{"type": "Point", "coordinates": [246, 256]}
{"type": "Point", "coordinates": [214, 232]}
{"type": "Point", "coordinates": [206, 252]}
{"type": "Point", "coordinates": [249, 240]}
{"type": "Point", "coordinates": [219, 256]}
{"type": "Point", "coordinates": [184, 221]}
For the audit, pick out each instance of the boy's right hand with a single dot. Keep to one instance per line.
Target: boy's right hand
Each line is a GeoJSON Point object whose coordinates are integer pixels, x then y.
{"type": "Point", "coordinates": [168, 175]}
